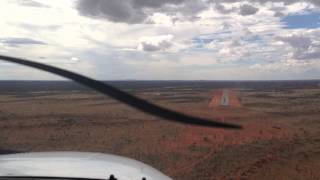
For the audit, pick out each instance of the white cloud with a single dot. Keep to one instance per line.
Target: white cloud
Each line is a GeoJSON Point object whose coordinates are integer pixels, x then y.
{"type": "Point", "coordinates": [304, 45]}
{"type": "Point", "coordinates": [155, 43]}
{"type": "Point", "coordinates": [180, 39]}
{"type": "Point", "coordinates": [74, 59]}
{"type": "Point", "coordinates": [32, 3]}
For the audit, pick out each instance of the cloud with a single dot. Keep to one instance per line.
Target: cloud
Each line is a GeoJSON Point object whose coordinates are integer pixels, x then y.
{"type": "Point", "coordinates": [140, 11]}
{"type": "Point", "coordinates": [278, 14]}
{"type": "Point", "coordinates": [32, 3]}
{"type": "Point", "coordinates": [74, 59]}
{"type": "Point", "coordinates": [113, 10]}
{"type": "Point", "coordinates": [154, 3]}
{"type": "Point", "coordinates": [155, 43]}
{"type": "Point", "coordinates": [304, 46]}
{"type": "Point", "coordinates": [288, 69]}
{"type": "Point", "coordinates": [137, 11]}
{"type": "Point", "coordinates": [263, 2]}
{"type": "Point", "coordinates": [315, 2]}
{"type": "Point", "coordinates": [222, 9]}
{"type": "Point", "coordinates": [247, 9]}
{"type": "Point", "coordinates": [184, 39]}
{"type": "Point", "coordinates": [13, 42]}
{"type": "Point", "coordinates": [297, 41]}
{"type": "Point", "coordinates": [33, 27]}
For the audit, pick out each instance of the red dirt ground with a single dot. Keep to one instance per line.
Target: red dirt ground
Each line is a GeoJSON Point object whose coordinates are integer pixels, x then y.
{"type": "Point", "coordinates": [233, 98]}
{"type": "Point", "coordinates": [216, 97]}
{"type": "Point", "coordinates": [279, 139]}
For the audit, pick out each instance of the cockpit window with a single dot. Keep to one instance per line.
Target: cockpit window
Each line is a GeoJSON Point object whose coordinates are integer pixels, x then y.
{"type": "Point", "coordinates": [197, 89]}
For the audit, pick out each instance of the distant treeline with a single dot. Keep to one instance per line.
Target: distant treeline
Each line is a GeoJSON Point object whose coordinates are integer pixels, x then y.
{"type": "Point", "coordinates": [34, 86]}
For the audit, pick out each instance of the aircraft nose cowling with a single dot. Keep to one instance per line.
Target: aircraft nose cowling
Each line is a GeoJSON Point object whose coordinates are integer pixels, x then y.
{"type": "Point", "coordinates": [76, 165]}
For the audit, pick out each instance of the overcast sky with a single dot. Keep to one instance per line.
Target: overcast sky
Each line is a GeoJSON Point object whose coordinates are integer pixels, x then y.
{"type": "Point", "coordinates": [163, 39]}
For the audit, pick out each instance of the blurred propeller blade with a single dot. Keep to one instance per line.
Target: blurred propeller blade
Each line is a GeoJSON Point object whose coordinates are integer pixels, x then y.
{"type": "Point", "coordinates": [124, 97]}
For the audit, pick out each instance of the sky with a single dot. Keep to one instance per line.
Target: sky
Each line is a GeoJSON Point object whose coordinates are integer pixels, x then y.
{"type": "Point", "coordinates": [163, 39]}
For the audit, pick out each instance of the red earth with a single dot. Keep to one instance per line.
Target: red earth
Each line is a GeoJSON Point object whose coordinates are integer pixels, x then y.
{"type": "Point", "coordinates": [279, 139]}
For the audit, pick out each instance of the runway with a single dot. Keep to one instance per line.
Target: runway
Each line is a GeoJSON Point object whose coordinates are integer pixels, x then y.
{"type": "Point", "coordinates": [224, 98]}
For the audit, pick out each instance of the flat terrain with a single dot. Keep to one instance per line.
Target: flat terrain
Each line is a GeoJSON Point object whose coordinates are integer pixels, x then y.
{"type": "Point", "coordinates": [280, 138]}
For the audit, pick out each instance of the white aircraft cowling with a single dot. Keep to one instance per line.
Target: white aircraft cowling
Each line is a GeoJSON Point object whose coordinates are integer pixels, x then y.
{"type": "Point", "coordinates": [76, 165]}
